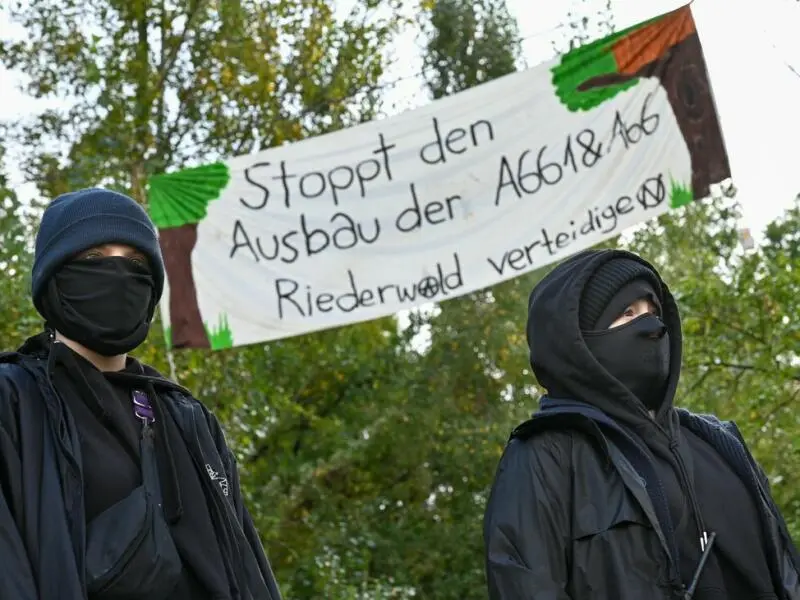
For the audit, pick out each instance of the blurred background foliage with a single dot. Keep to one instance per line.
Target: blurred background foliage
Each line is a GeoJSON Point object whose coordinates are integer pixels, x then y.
{"type": "Point", "coordinates": [366, 452]}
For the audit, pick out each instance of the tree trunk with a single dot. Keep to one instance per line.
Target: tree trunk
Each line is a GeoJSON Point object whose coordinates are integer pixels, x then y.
{"type": "Point", "coordinates": [683, 75]}
{"type": "Point", "coordinates": [685, 79]}
{"type": "Point", "coordinates": [186, 323]}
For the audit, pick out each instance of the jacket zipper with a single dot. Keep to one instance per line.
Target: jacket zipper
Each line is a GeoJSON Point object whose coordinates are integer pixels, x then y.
{"type": "Point", "coordinates": [690, 493]}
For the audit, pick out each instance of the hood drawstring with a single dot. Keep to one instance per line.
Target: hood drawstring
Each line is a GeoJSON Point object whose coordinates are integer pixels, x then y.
{"type": "Point", "coordinates": [689, 488]}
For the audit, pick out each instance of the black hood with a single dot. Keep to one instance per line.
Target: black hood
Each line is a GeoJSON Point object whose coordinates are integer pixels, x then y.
{"type": "Point", "coordinates": [559, 356]}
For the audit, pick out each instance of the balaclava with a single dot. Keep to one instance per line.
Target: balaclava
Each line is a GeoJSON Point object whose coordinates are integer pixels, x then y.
{"type": "Point", "coordinates": [105, 304]}
{"type": "Point", "coordinates": [637, 352]}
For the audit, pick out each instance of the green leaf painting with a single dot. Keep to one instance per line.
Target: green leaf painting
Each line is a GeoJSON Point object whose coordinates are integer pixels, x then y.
{"type": "Point", "coordinates": [220, 336]}
{"type": "Point", "coordinates": [181, 198]}
{"type": "Point", "coordinates": [680, 194]}
{"type": "Point", "coordinates": [589, 75]}
{"type": "Point", "coordinates": [584, 63]}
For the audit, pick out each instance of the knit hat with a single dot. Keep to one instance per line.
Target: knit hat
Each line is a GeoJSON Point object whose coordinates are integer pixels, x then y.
{"type": "Point", "coordinates": [606, 282]}
{"type": "Point", "coordinates": [78, 221]}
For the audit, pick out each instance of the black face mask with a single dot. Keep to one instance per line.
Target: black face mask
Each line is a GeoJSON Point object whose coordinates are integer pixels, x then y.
{"type": "Point", "coordinates": [637, 355]}
{"type": "Point", "coordinates": [105, 304]}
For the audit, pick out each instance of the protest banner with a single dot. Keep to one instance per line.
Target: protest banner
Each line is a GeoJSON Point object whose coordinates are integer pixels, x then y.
{"type": "Point", "coordinates": [434, 203]}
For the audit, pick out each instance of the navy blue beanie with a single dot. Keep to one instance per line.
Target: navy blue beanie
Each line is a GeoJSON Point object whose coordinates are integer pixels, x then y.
{"type": "Point", "coordinates": [78, 221]}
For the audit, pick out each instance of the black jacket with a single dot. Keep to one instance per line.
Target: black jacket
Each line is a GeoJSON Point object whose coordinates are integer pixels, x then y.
{"type": "Point", "coordinates": [42, 525]}
{"type": "Point", "coordinates": [577, 511]}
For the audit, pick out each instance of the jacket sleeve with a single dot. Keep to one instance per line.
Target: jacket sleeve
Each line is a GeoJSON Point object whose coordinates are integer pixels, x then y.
{"type": "Point", "coordinates": [790, 560]}
{"type": "Point", "coordinates": [527, 523]}
{"type": "Point", "coordinates": [16, 575]}
{"type": "Point", "coordinates": [249, 528]}
{"type": "Point", "coordinates": [245, 520]}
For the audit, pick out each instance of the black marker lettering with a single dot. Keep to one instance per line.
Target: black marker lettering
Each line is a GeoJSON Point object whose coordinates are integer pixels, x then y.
{"type": "Point", "coordinates": [262, 187]}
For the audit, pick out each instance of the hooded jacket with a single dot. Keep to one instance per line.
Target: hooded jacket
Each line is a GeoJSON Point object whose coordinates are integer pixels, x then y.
{"type": "Point", "coordinates": [42, 523]}
{"type": "Point", "coordinates": [581, 505]}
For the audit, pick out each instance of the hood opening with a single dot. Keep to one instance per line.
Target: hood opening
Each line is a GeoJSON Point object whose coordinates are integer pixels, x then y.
{"type": "Point", "coordinates": [559, 356]}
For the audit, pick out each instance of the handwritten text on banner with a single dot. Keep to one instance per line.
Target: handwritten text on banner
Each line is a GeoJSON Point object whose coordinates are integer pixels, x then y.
{"type": "Point", "coordinates": [459, 195]}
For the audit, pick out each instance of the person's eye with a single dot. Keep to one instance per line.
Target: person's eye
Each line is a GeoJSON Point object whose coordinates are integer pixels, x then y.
{"type": "Point", "coordinates": [92, 254]}
{"type": "Point", "coordinates": [140, 261]}
{"type": "Point", "coordinates": [629, 312]}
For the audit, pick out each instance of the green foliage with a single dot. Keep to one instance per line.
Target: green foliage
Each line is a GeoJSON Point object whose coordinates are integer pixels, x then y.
{"type": "Point", "coordinates": [220, 336]}
{"type": "Point", "coordinates": [680, 194]}
{"type": "Point", "coordinates": [784, 236]}
{"type": "Point", "coordinates": [17, 315]}
{"type": "Point", "coordinates": [181, 198]}
{"type": "Point", "coordinates": [154, 86]}
{"type": "Point", "coordinates": [581, 64]}
{"type": "Point", "coordinates": [475, 373]}
{"type": "Point", "coordinates": [468, 43]}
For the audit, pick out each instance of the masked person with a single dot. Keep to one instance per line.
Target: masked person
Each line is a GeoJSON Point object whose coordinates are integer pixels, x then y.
{"type": "Point", "coordinates": [115, 483]}
{"type": "Point", "coordinates": [609, 491]}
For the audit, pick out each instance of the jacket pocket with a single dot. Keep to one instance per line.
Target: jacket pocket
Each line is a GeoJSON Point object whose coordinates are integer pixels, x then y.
{"type": "Point", "coordinates": [598, 519]}
{"type": "Point", "coordinates": [616, 553]}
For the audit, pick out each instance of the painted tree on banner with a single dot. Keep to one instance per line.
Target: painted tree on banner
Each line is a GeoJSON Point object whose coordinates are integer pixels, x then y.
{"type": "Point", "coordinates": [667, 47]}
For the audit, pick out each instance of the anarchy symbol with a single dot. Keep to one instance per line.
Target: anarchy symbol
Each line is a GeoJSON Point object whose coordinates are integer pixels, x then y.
{"type": "Point", "coordinates": [652, 192]}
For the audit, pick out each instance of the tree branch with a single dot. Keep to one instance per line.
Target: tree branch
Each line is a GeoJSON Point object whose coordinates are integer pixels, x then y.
{"type": "Point", "coordinates": [781, 405]}
{"type": "Point", "coordinates": [740, 367]}
{"type": "Point", "coordinates": [729, 325]}
{"type": "Point", "coordinates": [170, 59]}
{"type": "Point", "coordinates": [700, 380]}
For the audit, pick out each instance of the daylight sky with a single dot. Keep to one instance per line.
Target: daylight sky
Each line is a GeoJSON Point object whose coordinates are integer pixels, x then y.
{"type": "Point", "coordinates": [753, 56]}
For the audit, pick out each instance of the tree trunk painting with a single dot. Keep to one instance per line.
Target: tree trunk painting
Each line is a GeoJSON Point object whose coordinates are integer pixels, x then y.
{"type": "Point", "coordinates": [668, 48]}
{"type": "Point", "coordinates": [178, 202]}
{"type": "Point", "coordinates": [186, 322]}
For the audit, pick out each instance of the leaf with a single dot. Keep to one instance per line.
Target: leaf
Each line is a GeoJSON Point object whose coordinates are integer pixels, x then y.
{"type": "Point", "coordinates": [182, 198]}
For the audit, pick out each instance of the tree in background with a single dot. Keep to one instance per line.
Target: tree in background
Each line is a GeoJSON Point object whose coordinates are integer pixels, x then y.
{"type": "Point", "coordinates": [16, 311]}
{"type": "Point", "coordinates": [153, 85]}
{"type": "Point", "coordinates": [468, 44]}
{"type": "Point", "coordinates": [475, 372]}
{"type": "Point", "coordinates": [586, 20]}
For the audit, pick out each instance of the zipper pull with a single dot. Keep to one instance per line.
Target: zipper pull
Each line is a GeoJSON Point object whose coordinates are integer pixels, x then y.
{"type": "Point", "coordinates": [709, 544]}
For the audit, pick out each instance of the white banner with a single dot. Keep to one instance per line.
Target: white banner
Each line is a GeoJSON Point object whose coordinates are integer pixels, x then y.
{"type": "Point", "coordinates": [456, 196]}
